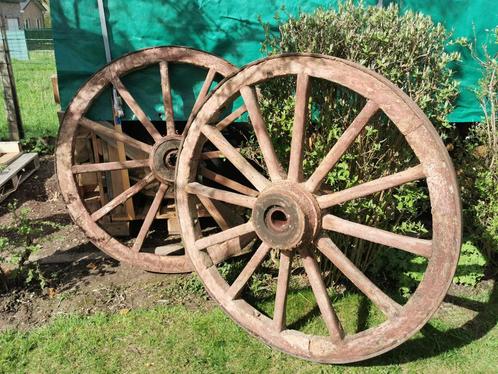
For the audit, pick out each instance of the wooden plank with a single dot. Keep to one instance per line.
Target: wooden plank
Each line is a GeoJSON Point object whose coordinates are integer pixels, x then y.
{"type": "Point", "coordinates": [55, 89]}
{"type": "Point", "coordinates": [16, 173]}
{"type": "Point", "coordinates": [96, 158]}
{"type": "Point", "coordinates": [116, 181]}
{"type": "Point", "coordinates": [169, 249]}
{"type": "Point", "coordinates": [124, 175]}
{"type": "Point", "coordinates": [173, 226]}
{"type": "Point", "coordinates": [131, 152]}
{"type": "Point", "coordinates": [85, 180]}
{"type": "Point", "coordinates": [10, 147]}
{"type": "Point", "coordinates": [8, 158]}
{"type": "Point", "coordinates": [120, 179]}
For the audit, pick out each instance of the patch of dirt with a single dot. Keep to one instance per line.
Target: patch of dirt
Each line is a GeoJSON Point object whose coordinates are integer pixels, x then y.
{"type": "Point", "coordinates": [41, 197]}
{"type": "Point", "coordinates": [91, 282]}
{"type": "Point", "coordinates": [86, 288]}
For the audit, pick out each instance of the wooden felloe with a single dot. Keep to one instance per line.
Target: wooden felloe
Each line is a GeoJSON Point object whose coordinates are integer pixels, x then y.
{"type": "Point", "coordinates": [291, 217]}
{"type": "Point", "coordinates": [110, 178]}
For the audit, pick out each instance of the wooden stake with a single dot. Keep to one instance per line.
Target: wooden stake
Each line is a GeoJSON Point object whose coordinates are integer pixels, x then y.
{"type": "Point", "coordinates": [14, 121]}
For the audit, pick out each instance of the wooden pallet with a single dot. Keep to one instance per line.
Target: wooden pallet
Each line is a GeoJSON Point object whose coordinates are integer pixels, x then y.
{"type": "Point", "coordinates": [17, 172]}
{"type": "Point", "coordinates": [9, 151]}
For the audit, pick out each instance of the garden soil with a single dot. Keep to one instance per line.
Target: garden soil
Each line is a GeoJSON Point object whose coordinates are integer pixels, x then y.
{"type": "Point", "coordinates": [80, 279]}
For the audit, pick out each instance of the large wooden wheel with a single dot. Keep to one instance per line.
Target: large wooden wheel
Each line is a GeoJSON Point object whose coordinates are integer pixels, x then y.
{"type": "Point", "coordinates": [291, 216]}
{"type": "Point", "coordinates": [147, 155]}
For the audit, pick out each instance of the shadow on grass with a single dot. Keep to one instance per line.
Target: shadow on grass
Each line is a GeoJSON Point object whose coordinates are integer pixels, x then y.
{"type": "Point", "coordinates": [435, 342]}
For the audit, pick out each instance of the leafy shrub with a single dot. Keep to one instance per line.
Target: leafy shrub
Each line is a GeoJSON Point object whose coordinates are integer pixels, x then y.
{"type": "Point", "coordinates": [408, 271]}
{"type": "Point", "coordinates": [478, 161]}
{"type": "Point", "coordinates": [409, 50]}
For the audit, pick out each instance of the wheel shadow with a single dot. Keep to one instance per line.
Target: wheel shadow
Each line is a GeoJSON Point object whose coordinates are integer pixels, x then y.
{"type": "Point", "coordinates": [435, 342]}
{"type": "Point", "coordinates": [72, 268]}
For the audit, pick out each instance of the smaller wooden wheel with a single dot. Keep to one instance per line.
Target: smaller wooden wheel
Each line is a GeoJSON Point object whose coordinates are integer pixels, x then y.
{"type": "Point", "coordinates": [145, 158]}
{"type": "Point", "coordinates": [292, 217]}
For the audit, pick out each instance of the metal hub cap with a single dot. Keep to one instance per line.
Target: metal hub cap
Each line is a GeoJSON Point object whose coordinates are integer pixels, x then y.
{"type": "Point", "coordinates": [163, 158]}
{"type": "Point", "coordinates": [286, 216]}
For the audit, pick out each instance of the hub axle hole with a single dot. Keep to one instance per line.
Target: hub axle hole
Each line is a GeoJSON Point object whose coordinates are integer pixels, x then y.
{"type": "Point", "coordinates": [277, 219]}
{"type": "Point", "coordinates": [170, 158]}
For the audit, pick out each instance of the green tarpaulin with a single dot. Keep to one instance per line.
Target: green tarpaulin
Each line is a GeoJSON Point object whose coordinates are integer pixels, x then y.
{"type": "Point", "coordinates": [470, 19]}
{"type": "Point", "coordinates": [228, 28]}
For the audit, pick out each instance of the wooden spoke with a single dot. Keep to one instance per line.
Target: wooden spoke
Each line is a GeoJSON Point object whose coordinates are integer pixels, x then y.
{"type": "Point", "coordinates": [387, 305]}
{"type": "Point", "coordinates": [214, 212]}
{"type": "Point", "coordinates": [121, 198]}
{"type": "Point", "coordinates": [322, 298]}
{"type": "Point", "coordinates": [223, 216]}
{"type": "Point", "coordinates": [203, 93]}
{"type": "Point", "coordinates": [251, 266]}
{"type": "Point", "coordinates": [219, 141]}
{"type": "Point", "coordinates": [224, 236]}
{"type": "Point", "coordinates": [228, 120]}
{"type": "Point", "coordinates": [221, 195]}
{"type": "Point", "coordinates": [109, 166]}
{"type": "Point", "coordinates": [230, 183]}
{"type": "Point", "coordinates": [167, 99]}
{"type": "Point", "coordinates": [419, 247]}
{"type": "Point", "coordinates": [130, 152]}
{"type": "Point", "coordinates": [365, 189]}
{"type": "Point", "coordinates": [251, 101]}
{"type": "Point", "coordinates": [211, 155]}
{"type": "Point", "coordinates": [149, 218]}
{"type": "Point", "coordinates": [344, 142]}
{"type": "Point", "coordinates": [282, 290]}
{"type": "Point", "coordinates": [299, 128]}
{"type": "Point", "coordinates": [136, 109]}
{"type": "Point", "coordinates": [117, 136]}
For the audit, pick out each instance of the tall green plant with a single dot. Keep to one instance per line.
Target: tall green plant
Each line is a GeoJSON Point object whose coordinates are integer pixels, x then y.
{"type": "Point", "coordinates": [478, 159]}
{"type": "Point", "coordinates": [410, 51]}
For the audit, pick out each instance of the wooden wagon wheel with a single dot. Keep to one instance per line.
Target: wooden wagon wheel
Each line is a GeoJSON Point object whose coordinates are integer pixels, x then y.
{"type": "Point", "coordinates": [291, 215]}
{"type": "Point", "coordinates": [155, 157]}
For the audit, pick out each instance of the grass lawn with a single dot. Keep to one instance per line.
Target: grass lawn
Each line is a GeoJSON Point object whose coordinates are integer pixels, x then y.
{"type": "Point", "coordinates": [171, 339]}
{"type": "Point", "coordinates": [34, 89]}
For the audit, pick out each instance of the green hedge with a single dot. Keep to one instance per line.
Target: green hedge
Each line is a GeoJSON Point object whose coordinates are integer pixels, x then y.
{"type": "Point", "coordinates": [41, 39]}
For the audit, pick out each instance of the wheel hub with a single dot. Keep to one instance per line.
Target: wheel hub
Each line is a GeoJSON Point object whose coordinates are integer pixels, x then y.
{"type": "Point", "coordinates": [285, 216]}
{"type": "Point", "coordinates": [163, 158]}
